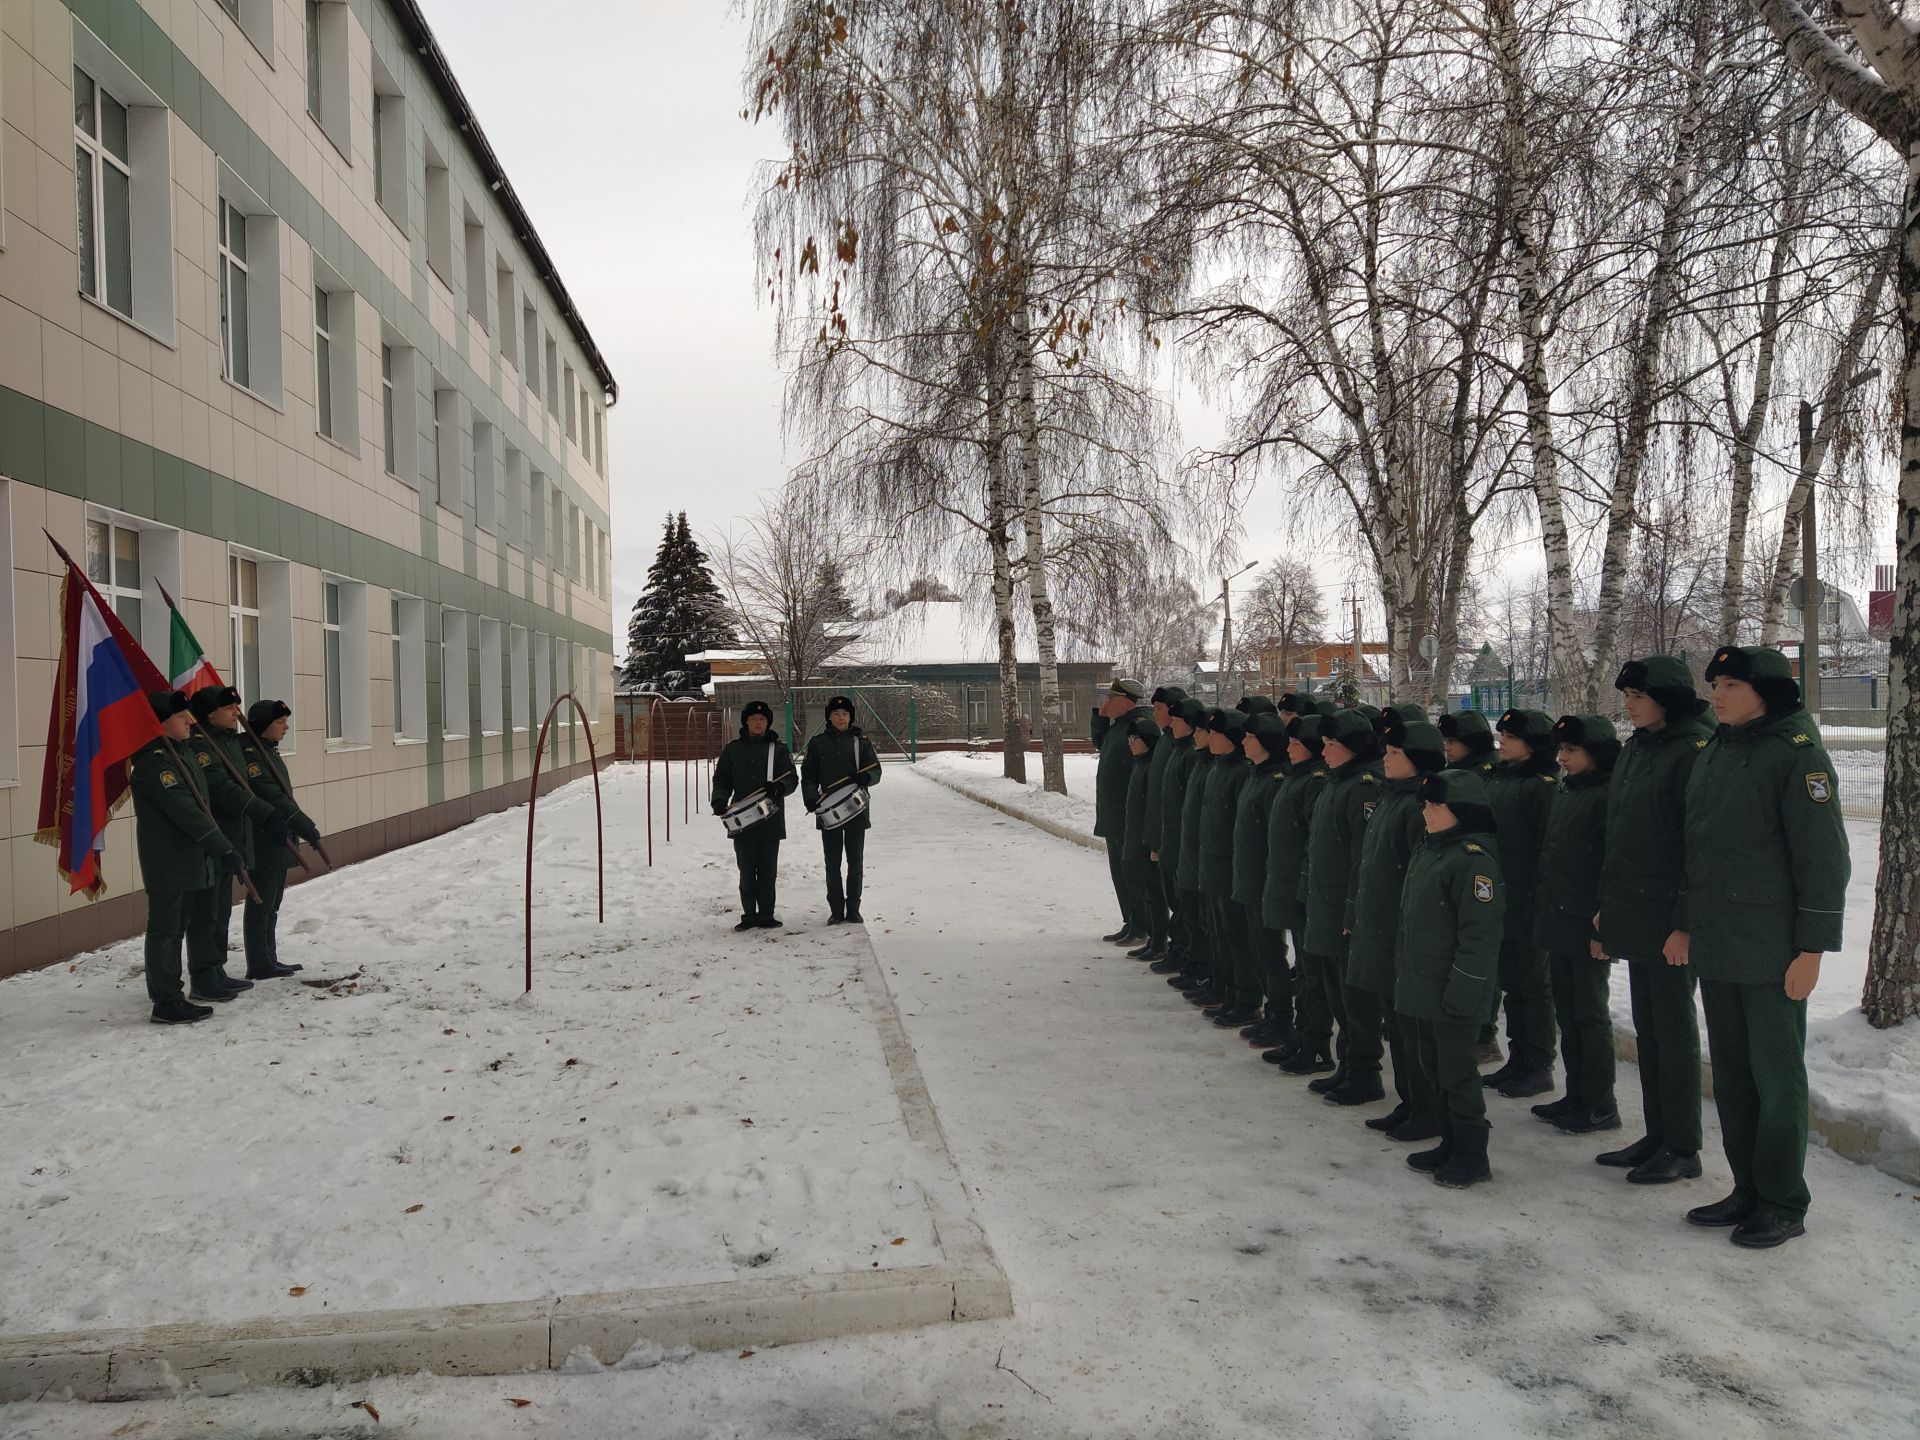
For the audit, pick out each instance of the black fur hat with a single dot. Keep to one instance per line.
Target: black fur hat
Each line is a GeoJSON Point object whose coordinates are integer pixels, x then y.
{"type": "Point", "coordinates": [167, 703]}
{"type": "Point", "coordinates": [263, 713]}
{"type": "Point", "coordinates": [205, 701]}
{"type": "Point", "coordinates": [838, 702]}
{"type": "Point", "coordinates": [1764, 668]}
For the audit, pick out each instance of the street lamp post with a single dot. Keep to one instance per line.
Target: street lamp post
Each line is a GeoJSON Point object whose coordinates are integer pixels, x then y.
{"type": "Point", "coordinates": [1226, 631]}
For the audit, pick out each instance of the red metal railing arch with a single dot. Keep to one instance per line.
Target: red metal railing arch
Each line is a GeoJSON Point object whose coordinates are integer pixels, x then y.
{"type": "Point", "coordinates": [533, 800]}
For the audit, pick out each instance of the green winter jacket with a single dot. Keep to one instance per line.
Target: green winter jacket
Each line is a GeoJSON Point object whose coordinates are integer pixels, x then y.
{"type": "Point", "coordinates": [1333, 854]}
{"type": "Point", "coordinates": [178, 844]}
{"type": "Point", "coordinates": [1158, 763]}
{"type": "Point", "coordinates": [1115, 769]}
{"type": "Point", "coordinates": [1520, 792]}
{"type": "Point", "coordinates": [1643, 878]}
{"type": "Point", "coordinates": [1173, 799]}
{"type": "Point", "coordinates": [748, 764]}
{"type": "Point", "coordinates": [1767, 862]}
{"type": "Point", "coordinates": [1229, 776]}
{"type": "Point", "coordinates": [1288, 819]}
{"type": "Point", "coordinates": [1573, 851]}
{"type": "Point", "coordinates": [1394, 832]}
{"type": "Point", "coordinates": [1250, 813]}
{"type": "Point", "coordinates": [1451, 923]}
{"type": "Point", "coordinates": [267, 773]}
{"type": "Point", "coordinates": [1202, 770]}
{"type": "Point", "coordinates": [1139, 785]}
{"type": "Point", "coordinates": [238, 812]}
{"type": "Point", "coordinates": [835, 755]}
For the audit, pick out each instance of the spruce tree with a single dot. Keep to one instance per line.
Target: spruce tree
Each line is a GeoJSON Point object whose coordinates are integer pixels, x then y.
{"type": "Point", "coordinates": [680, 613]}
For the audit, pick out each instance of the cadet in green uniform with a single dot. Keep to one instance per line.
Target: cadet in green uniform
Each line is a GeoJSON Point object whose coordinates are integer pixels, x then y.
{"type": "Point", "coordinates": [1309, 1051]}
{"type": "Point", "coordinates": [1451, 928]}
{"type": "Point", "coordinates": [755, 761]}
{"type": "Point", "coordinates": [1521, 789]}
{"type": "Point", "coordinates": [1143, 735]}
{"type": "Point", "coordinates": [1198, 971]}
{"type": "Point", "coordinates": [1469, 742]}
{"type": "Point", "coordinates": [1767, 870]}
{"type": "Point", "coordinates": [1263, 962]}
{"type": "Point", "coordinates": [1161, 893]}
{"type": "Point", "coordinates": [1566, 898]}
{"type": "Point", "coordinates": [1394, 831]}
{"type": "Point", "coordinates": [1643, 911]}
{"type": "Point", "coordinates": [1333, 854]}
{"type": "Point", "coordinates": [840, 752]}
{"type": "Point", "coordinates": [1226, 1004]}
{"type": "Point", "coordinates": [1125, 699]}
{"type": "Point", "coordinates": [267, 773]}
{"type": "Point", "coordinates": [1182, 716]}
{"type": "Point", "coordinates": [182, 852]}
{"type": "Point", "coordinates": [241, 815]}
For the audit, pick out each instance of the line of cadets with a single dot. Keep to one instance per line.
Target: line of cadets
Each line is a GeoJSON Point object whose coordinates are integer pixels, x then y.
{"type": "Point", "coordinates": [199, 828]}
{"type": "Point", "coordinates": [1417, 873]}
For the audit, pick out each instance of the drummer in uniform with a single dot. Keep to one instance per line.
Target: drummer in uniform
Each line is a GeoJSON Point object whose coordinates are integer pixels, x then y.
{"type": "Point", "coordinates": [839, 768]}
{"type": "Point", "coordinates": [755, 771]}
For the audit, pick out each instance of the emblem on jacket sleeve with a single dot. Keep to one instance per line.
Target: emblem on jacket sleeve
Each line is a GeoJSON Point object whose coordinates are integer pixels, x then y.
{"type": "Point", "coordinates": [1819, 787]}
{"type": "Point", "coordinates": [203, 757]}
{"type": "Point", "coordinates": [1803, 738]}
{"type": "Point", "coordinates": [253, 770]}
{"type": "Point", "coordinates": [1366, 809]}
{"type": "Point", "coordinates": [1483, 889]}
{"type": "Point", "coordinates": [168, 779]}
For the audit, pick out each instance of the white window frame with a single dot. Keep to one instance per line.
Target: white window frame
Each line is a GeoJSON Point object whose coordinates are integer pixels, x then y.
{"type": "Point", "coordinates": [343, 348]}
{"type": "Point", "coordinates": [553, 376]}
{"type": "Point", "coordinates": [89, 137]}
{"type": "Point", "coordinates": [407, 631]}
{"type": "Point", "coordinates": [443, 441]}
{"type": "Point", "coordinates": [504, 296]}
{"type": "Point", "coordinates": [389, 410]}
{"type": "Point", "coordinates": [400, 407]}
{"type": "Point", "coordinates": [530, 348]}
{"type": "Point", "coordinates": [519, 676]}
{"type": "Point", "coordinates": [261, 268]}
{"type": "Point", "coordinates": [493, 677]}
{"type": "Point", "coordinates": [323, 362]}
{"type": "Point", "coordinates": [109, 584]}
{"type": "Point", "coordinates": [486, 476]}
{"type": "Point", "coordinates": [572, 389]}
{"type": "Point", "coordinates": [454, 668]}
{"type": "Point", "coordinates": [238, 613]}
{"type": "Point", "coordinates": [273, 611]}
{"type": "Point", "coordinates": [236, 341]}
{"type": "Point", "coordinates": [437, 188]}
{"type": "Point", "coordinates": [542, 674]}
{"type": "Point", "coordinates": [573, 542]}
{"type": "Point", "coordinates": [600, 442]}
{"type": "Point", "coordinates": [474, 241]}
{"type": "Point", "coordinates": [255, 19]}
{"type": "Point", "coordinates": [150, 204]}
{"type": "Point", "coordinates": [345, 674]}
{"type": "Point", "coordinates": [389, 159]}
{"type": "Point", "coordinates": [537, 512]}
{"type": "Point", "coordinates": [514, 475]}
{"type": "Point", "coordinates": [328, 98]}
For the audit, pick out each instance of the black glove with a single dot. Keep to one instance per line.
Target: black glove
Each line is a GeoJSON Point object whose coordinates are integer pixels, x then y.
{"type": "Point", "coordinates": [719, 810]}
{"type": "Point", "coordinates": [307, 830]}
{"type": "Point", "coordinates": [232, 864]}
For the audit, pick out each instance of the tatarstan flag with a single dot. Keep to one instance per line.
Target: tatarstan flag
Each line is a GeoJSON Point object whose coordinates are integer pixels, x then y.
{"type": "Point", "coordinates": [187, 663]}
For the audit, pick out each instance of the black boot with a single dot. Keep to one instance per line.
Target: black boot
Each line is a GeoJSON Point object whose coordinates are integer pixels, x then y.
{"type": "Point", "coordinates": [1393, 1119]}
{"type": "Point", "coordinates": [854, 917]}
{"type": "Point", "coordinates": [1205, 995]}
{"type": "Point", "coordinates": [1412, 1129]}
{"type": "Point", "coordinates": [1356, 1092]}
{"type": "Point", "coordinates": [1734, 1210]}
{"type": "Point", "coordinates": [746, 922]}
{"type": "Point", "coordinates": [1168, 965]}
{"type": "Point", "coordinates": [211, 994]}
{"type": "Point", "coordinates": [1587, 1122]}
{"type": "Point", "coordinates": [1467, 1165]}
{"type": "Point", "coordinates": [1118, 935]}
{"type": "Point", "coordinates": [836, 911]}
{"type": "Point", "coordinates": [1494, 1079]}
{"type": "Point", "coordinates": [1232, 1017]}
{"type": "Point", "coordinates": [1763, 1232]}
{"type": "Point", "coordinates": [1329, 1082]}
{"type": "Point", "coordinates": [232, 984]}
{"type": "Point", "coordinates": [768, 922]}
{"type": "Point", "coordinates": [1638, 1153]}
{"type": "Point", "coordinates": [1663, 1167]}
{"type": "Point", "coordinates": [270, 970]}
{"type": "Point", "coordinates": [179, 1012]}
{"type": "Point", "coordinates": [1140, 951]}
{"type": "Point", "coordinates": [1439, 1155]}
{"type": "Point", "coordinates": [1302, 1061]}
{"type": "Point", "coordinates": [1554, 1109]}
{"type": "Point", "coordinates": [1526, 1081]}
{"type": "Point", "coordinates": [1151, 953]}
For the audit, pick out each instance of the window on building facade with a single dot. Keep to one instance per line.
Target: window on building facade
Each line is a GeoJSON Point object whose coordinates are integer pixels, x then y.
{"type": "Point", "coordinates": [537, 513]}
{"type": "Point", "coordinates": [409, 640]}
{"type": "Point", "coordinates": [503, 301]}
{"type": "Point", "coordinates": [439, 202]}
{"type": "Point", "coordinates": [572, 389]}
{"type": "Point", "coordinates": [542, 677]}
{"type": "Point", "coordinates": [573, 542]}
{"type": "Point", "coordinates": [493, 677]}
{"type": "Point", "coordinates": [235, 360]}
{"type": "Point", "coordinates": [103, 182]}
{"type": "Point", "coordinates": [387, 406]}
{"type": "Point", "coordinates": [442, 475]}
{"type": "Point", "coordinates": [519, 677]}
{"type": "Point", "coordinates": [336, 354]}
{"type": "Point", "coordinates": [248, 260]}
{"type": "Point", "coordinates": [327, 97]}
{"type": "Point", "coordinates": [453, 674]}
{"type": "Point", "coordinates": [389, 144]}
{"type": "Point", "coordinates": [323, 362]}
{"type": "Point", "coordinates": [486, 478]}
{"type": "Point", "coordinates": [255, 19]}
{"type": "Point", "coordinates": [553, 378]}
{"type": "Point", "coordinates": [563, 678]}
{"type": "Point", "coordinates": [243, 619]}
{"type": "Point", "coordinates": [530, 347]}
{"type": "Point", "coordinates": [343, 658]}
{"type": "Point", "coordinates": [600, 442]}
{"type": "Point", "coordinates": [556, 530]}
{"type": "Point", "coordinates": [513, 476]}
{"type": "Point", "coordinates": [113, 564]}
{"type": "Point", "coordinates": [476, 243]}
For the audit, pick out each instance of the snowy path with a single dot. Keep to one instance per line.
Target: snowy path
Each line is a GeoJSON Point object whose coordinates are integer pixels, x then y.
{"type": "Point", "coordinates": [1199, 1248]}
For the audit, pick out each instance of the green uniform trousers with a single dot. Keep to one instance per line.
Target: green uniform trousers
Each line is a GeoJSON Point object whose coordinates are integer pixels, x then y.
{"type": "Point", "coordinates": [1312, 1016]}
{"type": "Point", "coordinates": [1364, 1031]}
{"type": "Point", "coordinates": [1149, 910]}
{"type": "Point", "coordinates": [1274, 979]}
{"type": "Point", "coordinates": [208, 922]}
{"type": "Point", "coordinates": [1443, 1049]}
{"type": "Point", "coordinates": [1321, 974]}
{"type": "Point", "coordinates": [1177, 929]}
{"type": "Point", "coordinates": [167, 916]}
{"type": "Point", "coordinates": [843, 886]}
{"type": "Point", "coordinates": [1200, 948]}
{"type": "Point", "coordinates": [1229, 949]}
{"type": "Point", "coordinates": [1411, 1083]}
{"type": "Point", "coordinates": [1526, 981]}
{"type": "Point", "coordinates": [1757, 1038]}
{"type": "Point", "coordinates": [756, 851]}
{"type": "Point", "coordinates": [1122, 882]}
{"type": "Point", "coordinates": [259, 922]}
{"type": "Point", "coordinates": [1582, 1003]}
{"type": "Point", "coordinates": [1666, 1029]}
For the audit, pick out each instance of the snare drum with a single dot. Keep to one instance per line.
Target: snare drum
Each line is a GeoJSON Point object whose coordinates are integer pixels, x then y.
{"type": "Point", "coordinates": [747, 812]}
{"type": "Point", "coordinates": [841, 803]}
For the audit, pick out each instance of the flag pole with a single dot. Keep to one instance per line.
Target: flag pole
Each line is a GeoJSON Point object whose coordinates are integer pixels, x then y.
{"type": "Point", "coordinates": [226, 759]}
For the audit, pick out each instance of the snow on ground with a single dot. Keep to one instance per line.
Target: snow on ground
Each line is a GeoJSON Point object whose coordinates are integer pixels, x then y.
{"type": "Point", "coordinates": [673, 1104]}
{"type": "Point", "coordinates": [1855, 1072]}
{"type": "Point", "coordinates": [1200, 1248]}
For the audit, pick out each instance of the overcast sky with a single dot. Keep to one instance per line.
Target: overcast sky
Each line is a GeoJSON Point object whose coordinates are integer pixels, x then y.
{"type": "Point", "coordinates": [619, 122]}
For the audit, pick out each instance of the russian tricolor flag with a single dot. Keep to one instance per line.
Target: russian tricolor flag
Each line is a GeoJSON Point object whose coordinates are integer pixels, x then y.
{"type": "Point", "coordinates": [112, 721]}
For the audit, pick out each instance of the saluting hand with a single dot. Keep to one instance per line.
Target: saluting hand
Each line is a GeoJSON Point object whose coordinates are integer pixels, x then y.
{"type": "Point", "coordinates": [1676, 947]}
{"type": "Point", "coordinates": [1803, 974]}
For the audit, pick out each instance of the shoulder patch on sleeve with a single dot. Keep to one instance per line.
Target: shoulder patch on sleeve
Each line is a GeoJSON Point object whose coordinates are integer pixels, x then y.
{"type": "Point", "coordinates": [1802, 738]}
{"type": "Point", "coordinates": [1473, 847]}
{"type": "Point", "coordinates": [1819, 786]}
{"type": "Point", "coordinates": [1701, 743]}
{"type": "Point", "coordinates": [168, 779]}
{"type": "Point", "coordinates": [1367, 808]}
{"type": "Point", "coordinates": [253, 769]}
{"type": "Point", "coordinates": [1483, 889]}
{"type": "Point", "coordinates": [203, 757]}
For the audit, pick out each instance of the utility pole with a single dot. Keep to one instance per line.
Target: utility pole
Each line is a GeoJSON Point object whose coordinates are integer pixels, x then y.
{"type": "Point", "coordinates": [1226, 631]}
{"type": "Point", "coordinates": [1809, 579]}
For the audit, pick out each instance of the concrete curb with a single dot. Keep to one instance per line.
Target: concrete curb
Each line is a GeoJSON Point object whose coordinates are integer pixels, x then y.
{"type": "Point", "coordinates": [517, 1336]}
{"type": "Point", "coordinates": [1892, 1152]}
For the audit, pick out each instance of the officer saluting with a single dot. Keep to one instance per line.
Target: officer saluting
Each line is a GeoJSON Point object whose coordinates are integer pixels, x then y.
{"type": "Point", "coordinates": [183, 853]}
{"type": "Point", "coordinates": [1767, 871]}
{"type": "Point", "coordinates": [756, 763]}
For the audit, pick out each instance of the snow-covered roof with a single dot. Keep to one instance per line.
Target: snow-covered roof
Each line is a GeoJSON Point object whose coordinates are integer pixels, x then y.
{"type": "Point", "coordinates": [947, 632]}
{"type": "Point", "coordinates": [707, 657]}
